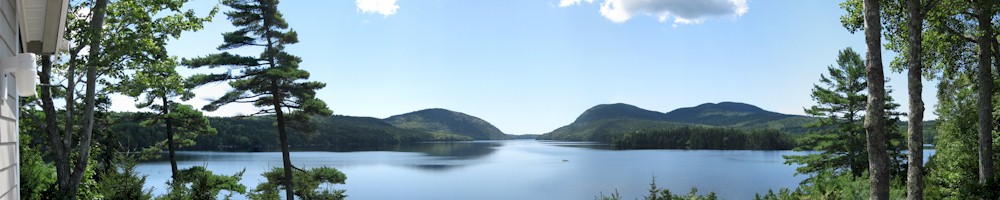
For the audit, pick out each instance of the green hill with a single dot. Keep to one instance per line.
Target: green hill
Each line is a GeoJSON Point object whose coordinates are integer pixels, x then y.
{"type": "Point", "coordinates": [601, 122]}
{"type": "Point", "coordinates": [618, 111]}
{"type": "Point", "coordinates": [738, 115]}
{"type": "Point", "coordinates": [259, 134]}
{"type": "Point", "coordinates": [445, 122]}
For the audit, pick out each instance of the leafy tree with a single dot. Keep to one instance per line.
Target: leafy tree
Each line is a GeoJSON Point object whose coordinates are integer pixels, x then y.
{"type": "Point", "coordinates": [838, 133]}
{"type": "Point", "coordinates": [904, 30]}
{"type": "Point", "coordinates": [268, 81]}
{"type": "Point", "coordinates": [878, 160]}
{"type": "Point", "coordinates": [306, 184]}
{"type": "Point", "coordinates": [140, 29]}
{"type": "Point", "coordinates": [955, 42]}
{"type": "Point", "coordinates": [955, 161]}
{"type": "Point", "coordinates": [916, 10]}
{"type": "Point", "coordinates": [70, 173]}
{"type": "Point", "coordinates": [958, 38]}
{"type": "Point", "coordinates": [984, 11]}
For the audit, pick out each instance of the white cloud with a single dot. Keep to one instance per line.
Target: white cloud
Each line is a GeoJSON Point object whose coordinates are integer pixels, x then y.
{"type": "Point", "coordinates": [122, 103]}
{"type": "Point", "coordinates": [383, 7]}
{"type": "Point", "coordinates": [680, 11]}
{"type": "Point", "coordinates": [567, 3]}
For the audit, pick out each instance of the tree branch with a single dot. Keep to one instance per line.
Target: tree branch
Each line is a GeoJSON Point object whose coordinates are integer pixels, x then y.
{"type": "Point", "coordinates": [959, 34]}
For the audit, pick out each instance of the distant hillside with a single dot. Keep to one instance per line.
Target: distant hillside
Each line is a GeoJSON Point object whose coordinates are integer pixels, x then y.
{"type": "Point", "coordinates": [259, 134]}
{"type": "Point", "coordinates": [600, 122]}
{"type": "Point", "coordinates": [739, 115]}
{"type": "Point", "coordinates": [617, 111]}
{"type": "Point", "coordinates": [446, 122]}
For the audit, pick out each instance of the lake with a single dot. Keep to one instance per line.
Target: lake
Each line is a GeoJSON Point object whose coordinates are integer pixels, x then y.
{"type": "Point", "coordinates": [514, 169]}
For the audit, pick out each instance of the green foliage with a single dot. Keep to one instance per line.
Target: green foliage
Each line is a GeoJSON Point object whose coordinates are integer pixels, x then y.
{"type": "Point", "coordinates": [663, 194]}
{"type": "Point", "coordinates": [199, 183]}
{"type": "Point", "coordinates": [832, 185]}
{"type": "Point", "coordinates": [306, 184]}
{"type": "Point", "coordinates": [187, 123]}
{"type": "Point", "coordinates": [838, 132]}
{"type": "Point", "coordinates": [269, 81]}
{"type": "Point", "coordinates": [954, 167]}
{"type": "Point", "coordinates": [38, 178]}
{"type": "Point", "coordinates": [443, 123]}
{"type": "Point", "coordinates": [704, 138]}
{"type": "Point", "coordinates": [122, 181]}
{"type": "Point", "coordinates": [272, 81]}
{"type": "Point", "coordinates": [120, 37]}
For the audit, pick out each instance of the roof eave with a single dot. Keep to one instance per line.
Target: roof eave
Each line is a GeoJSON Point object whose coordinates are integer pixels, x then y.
{"type": "Point", "coordinates": [47, 41]}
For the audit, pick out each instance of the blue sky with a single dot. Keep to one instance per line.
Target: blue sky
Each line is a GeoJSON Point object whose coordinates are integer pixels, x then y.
{"type": "Point", "coordinates": [531, 66]}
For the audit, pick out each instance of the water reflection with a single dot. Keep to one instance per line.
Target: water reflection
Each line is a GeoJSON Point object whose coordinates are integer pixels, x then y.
{"type": "Point", "coordinates": [437, 156]}
{"type": "Point", "coordinates": [587, 145]}
{"type": "Point", "coordinates": [435, 168]}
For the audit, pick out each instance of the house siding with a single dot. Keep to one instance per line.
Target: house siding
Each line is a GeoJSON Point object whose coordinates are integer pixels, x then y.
{"type": "Point", "coordinates": [9, 46]}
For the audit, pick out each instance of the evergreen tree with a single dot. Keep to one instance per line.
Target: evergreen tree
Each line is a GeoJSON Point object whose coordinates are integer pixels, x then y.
{"type": "Point", "coordinates": [159, 82]}
{"type": "Point", "coordinates": [269, 81]}
{"type": "Point", "coordinates": [838, 133]}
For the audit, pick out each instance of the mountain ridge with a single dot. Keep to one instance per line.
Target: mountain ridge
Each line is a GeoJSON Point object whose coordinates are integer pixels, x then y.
{"type": "Point", "coordinates": [601, 121]}
{"type": "Point", "coordinates": [447, 122]}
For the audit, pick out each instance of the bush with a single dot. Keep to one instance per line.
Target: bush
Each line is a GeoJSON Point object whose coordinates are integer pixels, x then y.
{"type": "Point", "coordinates": [305, 184]}
{"type": "Point", "coordinates": [199, 183]}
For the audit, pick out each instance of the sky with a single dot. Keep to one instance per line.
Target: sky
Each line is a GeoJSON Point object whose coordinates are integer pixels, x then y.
{"type": "Point", "coordinates": [531, 66]}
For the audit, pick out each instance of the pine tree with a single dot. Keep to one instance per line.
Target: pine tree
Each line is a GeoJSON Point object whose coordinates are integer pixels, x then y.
{"type": "Point", "coordinates": [269, 81]}
{"type": "Point", "coordinates": [839, 133]}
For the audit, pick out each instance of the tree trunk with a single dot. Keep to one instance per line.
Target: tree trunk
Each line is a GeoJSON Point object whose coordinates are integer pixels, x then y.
{"type": "Point", "coordinates": [878, 160]}
{"type": "Point", "coordinates": [59, 150]}
{"type": "Point", "coordinates": [915, 136]}
{"type": "Point", "coordinates": [277, 99]}
{"type": "Point", "coordinates": [171, 145]}
{"type": "Point", "coordinates": [985, 105]}
{"type": "Point", "coordinates": [285, 155]}
{"type": "Point", "coordinates": [70, 189]}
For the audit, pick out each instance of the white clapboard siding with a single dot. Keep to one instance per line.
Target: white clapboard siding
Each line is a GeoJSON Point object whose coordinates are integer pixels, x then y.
{"type": "Point", "coordinates": [9, 45]}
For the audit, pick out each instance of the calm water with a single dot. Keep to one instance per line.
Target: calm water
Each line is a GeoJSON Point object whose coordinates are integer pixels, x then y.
{"type": "Point", "coordinates": [519, 169]}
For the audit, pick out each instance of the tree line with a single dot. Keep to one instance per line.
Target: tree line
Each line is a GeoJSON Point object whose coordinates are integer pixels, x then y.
{"type": "Point", "coordinates": [694, 137]}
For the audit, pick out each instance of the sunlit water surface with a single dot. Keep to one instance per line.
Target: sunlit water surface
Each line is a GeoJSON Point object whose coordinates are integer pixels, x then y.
{"type": "Point", "coordinates": [516, 169]}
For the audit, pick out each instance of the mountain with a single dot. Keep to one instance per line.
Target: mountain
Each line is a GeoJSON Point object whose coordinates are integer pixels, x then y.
{"type": "Point", "coordinates": [259, 134]}
{"type": "Point", "coordinates": [601, 122]}
{"type": "Point", "coordinates": [445, 122]}
{"type": "Point", "coordinates": [739, 115]}
{"type": "Point", "coordinates": [617, 111]}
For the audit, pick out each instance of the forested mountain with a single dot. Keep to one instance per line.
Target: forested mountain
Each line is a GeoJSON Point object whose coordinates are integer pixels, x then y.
{"type": "Point", "coordinates": [446, 122]}
{"type": "Point", "coordinates": [258, 134]}
{"type": "Point", "coordinates": [601, 122]}
{"type": "Point", "coordinates": [618, 111]}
